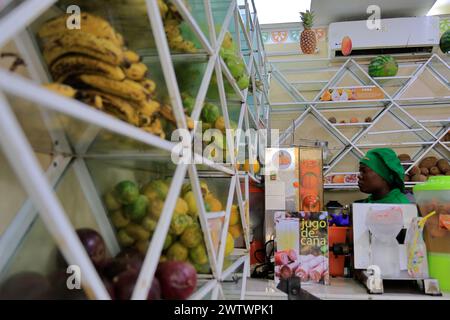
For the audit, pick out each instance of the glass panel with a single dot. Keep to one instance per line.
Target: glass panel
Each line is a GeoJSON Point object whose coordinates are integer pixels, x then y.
{"type": "Point", "coordinates": [12, 197]}
{"type": "Point", "coordinates": [190, 73]}
{"type": "Point", "coordinates": [135, 224]}
{"type": "Point", "coordinates": [80, 134]}
{"type": "Point", "coordinates": [37, 270]}
{"type": "Point", "coordinates": [35, 123]}
{"type": "Point", "coordinates": [235, 228]}
{"type": "Point", "coordinates": [232, 286]}
{"type": "Point", "coordinates": [111, 62]}
{"type": "Point", "coordinates": [133, 193]}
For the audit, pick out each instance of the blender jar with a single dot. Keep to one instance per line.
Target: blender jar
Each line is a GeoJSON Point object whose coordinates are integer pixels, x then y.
{"type": "Point", "coordinates": [384, 225]}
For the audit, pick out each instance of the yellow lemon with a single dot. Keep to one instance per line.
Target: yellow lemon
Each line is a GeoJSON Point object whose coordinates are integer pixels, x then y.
{"type": "Point", "coordinates": [256, 166]}
{"type": "Point", "coordinates": [220, 124]}
{"type": "Point", "coordinates": [235, 231]}
{"type": "Point", "coordinates": [229, 247]}
{"type": "Point", "coordinates": [235, 217]}
{"type": "Point", "coordinates": [213, 203]}
{"type": "Point", "coordinates": [192, 203]}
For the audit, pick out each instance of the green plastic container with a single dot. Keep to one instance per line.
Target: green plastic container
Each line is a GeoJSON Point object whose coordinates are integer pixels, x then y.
{"type": "Point", "coordinates": [439, 268]}
{"type": "Point", "coordinates": [434, 195]}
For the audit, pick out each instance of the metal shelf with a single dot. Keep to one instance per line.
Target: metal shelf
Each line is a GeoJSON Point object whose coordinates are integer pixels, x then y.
{"type": "Point", "coordinates": [437, 122]}
{"type": "Point", "coordinates": [394, 145]}
{"type": "Point", "coordinates": [128, 146]}
{"type": "Point", "coordinates": [354, 186]}
{"type": "Point", "coordinates": [394, 105]}
{"type": "Point", "coordinates": [392, 81]}
{"type": "Point", "coordinates": [341, 186]}
{"type": "Point", "coordinates": [312, 85]}
{"type": "Point", "coordinates": [354, 124]}
{"type": "Point", "coordinates": [423, 101]}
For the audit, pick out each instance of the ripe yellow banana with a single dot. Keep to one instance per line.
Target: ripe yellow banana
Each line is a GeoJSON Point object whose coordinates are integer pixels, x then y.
{"type": "Point", "coordinates": [172, 30]}
{"type": "Point", "coordinates": [120, 40]}
{"type": "Point", "coordinates": [175, 39]}
{"type": "Point", "coordinates": [167, 112]}
{"type": "Point", "coordinates": [144, 120]}
{"type": "Point", "coordinates": [148, 107]}
{"type": "Point", "coordinates": [89, 24]}
{"type": "Point", "coordinates": [155, 127]}
{"type": "Point", "coordinates": [120, 109]}
{"type": "Point", "coordinates": [70, 65]}
{"type": "Point", "coordinates": [62, 89]}
{"type": "Point", "coordinates": [126, 89]}
{"type": "Point", "coordinates": [82, 43]}
{"type": "Point", "coordinates": [115, 106]}
{"type": "Point", "coordinates": [131, 56]}
{"type": "Point", "coordinates": [91, 98]}
{"type": "Point", "coordinates": [136, 71]}
{"type": "Point", "coordinates": [163, 8]}
{"type": "Point", "coordinates": [149, 86]}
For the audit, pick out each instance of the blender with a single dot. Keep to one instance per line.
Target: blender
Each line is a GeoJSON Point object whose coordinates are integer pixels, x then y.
{"type": "Point", "coordinates": [384, 225]}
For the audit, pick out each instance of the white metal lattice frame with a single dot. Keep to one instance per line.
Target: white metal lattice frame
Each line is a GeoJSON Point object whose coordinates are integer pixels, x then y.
{"type": "Point", "coordinates": [24, 163]}
{"type": "Point", "coordinates": [390, 103]}
{"type": "Point", "coordinates": [41, 193]}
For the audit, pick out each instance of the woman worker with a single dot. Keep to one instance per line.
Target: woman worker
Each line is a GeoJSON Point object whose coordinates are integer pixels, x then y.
{"type": "Point", "coordinates": [382, 176]}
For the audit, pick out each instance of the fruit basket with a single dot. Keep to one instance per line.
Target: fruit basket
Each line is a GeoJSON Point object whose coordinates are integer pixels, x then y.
{"type": "Point", "coordinates": [91, 168]}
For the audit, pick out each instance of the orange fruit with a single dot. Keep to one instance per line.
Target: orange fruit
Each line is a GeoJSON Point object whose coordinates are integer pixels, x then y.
{"type": "Point", "coordinates": [339, 178]}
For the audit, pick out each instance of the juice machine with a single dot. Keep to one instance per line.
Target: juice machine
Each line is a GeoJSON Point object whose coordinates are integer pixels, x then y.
{"type": "Point", "coordinates": [293, 182]}
{"type": "Point", "coordinates": [388, 245]}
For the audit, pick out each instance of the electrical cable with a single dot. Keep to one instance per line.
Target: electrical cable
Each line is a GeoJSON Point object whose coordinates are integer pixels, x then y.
{"type": "Point", "coordinates": [265, 269]}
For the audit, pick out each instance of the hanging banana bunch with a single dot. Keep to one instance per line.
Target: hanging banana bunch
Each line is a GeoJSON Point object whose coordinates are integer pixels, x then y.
{"type": "Point", "coordinates": [94, 66]}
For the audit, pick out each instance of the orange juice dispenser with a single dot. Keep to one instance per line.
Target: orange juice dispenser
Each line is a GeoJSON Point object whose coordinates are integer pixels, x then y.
{"type": "Point", "coordinates": [311, 179]}
{"type": "Point", "coordinates": [293, 182]}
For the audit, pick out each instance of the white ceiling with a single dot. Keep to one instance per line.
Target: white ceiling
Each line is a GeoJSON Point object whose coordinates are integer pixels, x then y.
{"type": "Point", "coordinates": [280, 11]}
{"type": "Point", "coordinates": [328, 11]}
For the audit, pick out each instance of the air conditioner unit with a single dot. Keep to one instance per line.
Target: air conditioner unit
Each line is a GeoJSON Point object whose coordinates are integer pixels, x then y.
{"type": "Point", "coordinates": [416, 35]}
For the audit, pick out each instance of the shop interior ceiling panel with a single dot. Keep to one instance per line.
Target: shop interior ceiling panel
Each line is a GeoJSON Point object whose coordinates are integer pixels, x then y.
{"type": "Point", "coordinates": [328, 11]}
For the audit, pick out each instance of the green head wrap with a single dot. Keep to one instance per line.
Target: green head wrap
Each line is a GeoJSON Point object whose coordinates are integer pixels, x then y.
{"type": "Point", "coordinates": [386, 164]}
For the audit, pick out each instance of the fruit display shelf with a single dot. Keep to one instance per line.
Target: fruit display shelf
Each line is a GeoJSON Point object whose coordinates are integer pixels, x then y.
{"type": "Point", "coordinates": [332, 105]}
{"type": "Point", "coordinates": [428, 102]}
{"type": "Point", "coordinates": [354, 186]}
{"type": "Point", "coordinates": [400, 120]}
{"type": "Point", "coordinates": [101, 167]}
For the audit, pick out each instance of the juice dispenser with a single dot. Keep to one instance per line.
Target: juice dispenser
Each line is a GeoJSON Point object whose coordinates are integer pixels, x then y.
{"type": "Point", "coordinates": [434, 195]}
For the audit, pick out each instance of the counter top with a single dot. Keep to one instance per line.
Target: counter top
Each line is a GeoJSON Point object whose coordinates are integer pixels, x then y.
{"type": "Point", "coordinates": [340, 289]}
{"type": "Point", "coordinates": [344, 289]}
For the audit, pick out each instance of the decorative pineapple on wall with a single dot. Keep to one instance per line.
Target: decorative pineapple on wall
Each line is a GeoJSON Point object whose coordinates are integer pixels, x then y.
{"type": "Point", "coordinates": [308, 41]}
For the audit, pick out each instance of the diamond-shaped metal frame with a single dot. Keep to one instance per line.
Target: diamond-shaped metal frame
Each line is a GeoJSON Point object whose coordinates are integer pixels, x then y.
{"type": "Point", "coordinates": [394, 105]}
{"type": "Point", "coordinates": [39, 185]}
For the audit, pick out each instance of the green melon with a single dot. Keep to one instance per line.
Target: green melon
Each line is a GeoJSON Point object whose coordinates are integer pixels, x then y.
{"type": "Point", "coordinates": [383, 66]}
{"type": "Point", "coordinates": [444, 43]}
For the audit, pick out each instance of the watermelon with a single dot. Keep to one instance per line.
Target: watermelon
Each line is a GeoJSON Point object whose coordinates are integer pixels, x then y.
{"type": "Point", "coordinates": [444, 43]}
{"type": "Point", "coordinates": [383, 66]}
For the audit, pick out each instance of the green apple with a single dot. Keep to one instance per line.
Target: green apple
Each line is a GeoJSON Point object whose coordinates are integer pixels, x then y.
{"type": "Point", "coordinates": [236, 67]}
{"type": "Point", "coordinates": [243, 82]}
